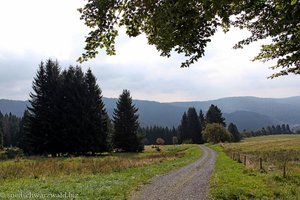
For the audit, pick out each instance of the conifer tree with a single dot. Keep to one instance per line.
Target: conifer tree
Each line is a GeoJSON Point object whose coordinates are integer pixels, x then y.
{"type": "Point", "coordinates": [214, 115]}
{"type": "Point", "coordinates": [283, 128]}
{"type": "Point", "coordinates": [24, 133]}
{"type": "Point", "coordinates": [126, 125]}
{"type": "Point", "coordinates": [1, 130]}
{"type": "Point", "coordinates": [236, 137]}
{"type": "Point", "coordinates": [202, 119]}
{"type": "Point", "coordinates": [43, 108]}
{"type": "Point", "coordinates": [288, 130]}
{"type": "Point", "coordinates": [37, 115]}
{"type": "Point", "coordinates": [278, 129]}
{"type": "Point", "coordinates": [269, 130]}
{"type": "Point", "coordinates": [263, 131]}
{"type": "Point", "coordinates": [194, 126]}
{"type": "Point", "coordinates": [67, 114]}
{"type": "Point", "coordinates": [73, 123]}
{"type": "Point", "coordinates": [183, 129]}
{"type": "Point", "coordinates": [95, 116]}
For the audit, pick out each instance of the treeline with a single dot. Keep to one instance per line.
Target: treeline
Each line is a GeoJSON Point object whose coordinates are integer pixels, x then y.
{"type": "Point", "coordinates": [9, 130]}
{"type": "Point", "coordinates": [152, 133]}
{"type": "Point", "coordinates": [269, 130]}
{"type": "Point", "coordinates": [67, 116]}
{"type": "Point", "coordinates": [211, 127]}
{"type": "Point", "coordinates": [195, 128]}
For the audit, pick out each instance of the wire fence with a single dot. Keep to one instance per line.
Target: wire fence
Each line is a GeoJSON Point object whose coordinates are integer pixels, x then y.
{"type": "Point", "coordinates": [280, 160]}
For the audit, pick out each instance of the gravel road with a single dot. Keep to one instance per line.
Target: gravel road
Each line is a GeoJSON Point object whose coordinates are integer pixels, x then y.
{"type": "Point", "coordinates": [187, 183]}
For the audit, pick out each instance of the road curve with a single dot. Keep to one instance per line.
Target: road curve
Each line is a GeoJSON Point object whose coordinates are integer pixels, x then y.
{"type": "Point", "coordinates": [187, 183]}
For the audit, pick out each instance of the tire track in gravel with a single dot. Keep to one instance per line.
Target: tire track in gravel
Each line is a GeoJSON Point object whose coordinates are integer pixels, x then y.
{"type": "Point", "coordinates": [187, 183]}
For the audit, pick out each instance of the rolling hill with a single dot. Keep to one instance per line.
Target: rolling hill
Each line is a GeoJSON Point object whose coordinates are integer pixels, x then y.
{"type": "Point", "coordinates": [249, 113]}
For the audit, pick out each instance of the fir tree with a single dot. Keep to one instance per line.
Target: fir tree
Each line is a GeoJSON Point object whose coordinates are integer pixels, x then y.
{"type": "Point", "coordinates": [202, 119]}
{"type": "Point", "coordinates": [24, 133]}
{"type": "Point", "coordinates": [288, 130]}
{"type": "Point", "coordinates": [1, 130]}
{"type": "Point", "coordinates": [43, 108]}
{"type": "Point", "coordinates": [194, 126]}
{"type": "Point", "coordinates": [67, 114]}
{"type": "Point", "coordinates": [126, 125]}
{"type": "Point", "coordinates": [263, 131]}
{"type": "Point", "coordinates": [95, 116]}
{"type": "Point", "coordinates": [278, 129]}
{"type": "Point", "coordinates": [283, 128]}
{"type": "Point", "coordinates": [214, 115]}
{"type": "Point", "coordinates": [269, 130]}
{"type": "Point", "coordinates": [236, 137]}
{"type": "Point", "coordinates": [73, 123]}
{"type": "Point", "coordinates": [183, 129]}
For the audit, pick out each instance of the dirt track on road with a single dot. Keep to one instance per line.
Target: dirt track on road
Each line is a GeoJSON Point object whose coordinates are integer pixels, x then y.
{"type": "Point", "coordinates": [187, 183]}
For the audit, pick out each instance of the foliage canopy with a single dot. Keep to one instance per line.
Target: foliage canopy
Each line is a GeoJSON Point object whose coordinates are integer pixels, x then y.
{"type": "Point", "coordinates": [187, 26]}
{"type": "Point", "coordinates": [215, 133]}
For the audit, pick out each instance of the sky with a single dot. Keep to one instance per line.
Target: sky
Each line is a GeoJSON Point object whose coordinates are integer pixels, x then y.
{"type": "Point", "coordinates": [35, 30]}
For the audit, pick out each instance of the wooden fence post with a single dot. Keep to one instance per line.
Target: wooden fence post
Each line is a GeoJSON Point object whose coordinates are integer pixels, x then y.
{"type": "Point", "coordinates": [239, 158]}
{"type": "Point", "coordinates": [245, 160]}
{"type": "Point", "coordinates": [260, 164]}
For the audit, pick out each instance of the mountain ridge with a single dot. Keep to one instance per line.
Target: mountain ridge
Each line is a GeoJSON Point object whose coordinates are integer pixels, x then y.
{"type": "Point", "coordinates": [248, 112]}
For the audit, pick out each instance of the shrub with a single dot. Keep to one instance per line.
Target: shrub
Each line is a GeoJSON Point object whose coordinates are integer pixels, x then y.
{"type": "Point", "coordinates": [160, 141]}
{"type": "Point", "coordinates": [10, 153]}
{"type": "Point", "coordinates": [215, 133]}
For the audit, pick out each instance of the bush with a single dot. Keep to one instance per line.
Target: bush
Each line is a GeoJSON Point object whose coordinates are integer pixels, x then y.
{"type": "Point", "coordinates": [10, 153]}
{"type": "Point", "coordinates": [160, 141]}
{"type": "Point", "coordinates": [215, 133]}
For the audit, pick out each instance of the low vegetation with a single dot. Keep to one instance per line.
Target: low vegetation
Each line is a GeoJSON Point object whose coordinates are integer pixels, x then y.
{"type": "Point", "coordinates": [258, 168]}
{"type": "Point", "coordinates": [108, 176]}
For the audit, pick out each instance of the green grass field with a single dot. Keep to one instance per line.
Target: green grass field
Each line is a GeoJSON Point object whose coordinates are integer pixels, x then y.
{"type": "Point", "coordinates": [234, 180]}
{"type": "Point", "coordinates": [106, 177]}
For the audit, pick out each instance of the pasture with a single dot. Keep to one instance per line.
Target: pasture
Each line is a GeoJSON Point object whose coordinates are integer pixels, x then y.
{"type": "Point", "coordinates": [108, 176]}
{"type": "Point", "coordinates": [264, 167]}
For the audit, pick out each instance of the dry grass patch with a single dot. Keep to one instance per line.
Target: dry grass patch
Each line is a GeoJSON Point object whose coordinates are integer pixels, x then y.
{"type": "Point", "coordinates": [36, 166]}
{"type": "Point", "coordinates": [279, 153]}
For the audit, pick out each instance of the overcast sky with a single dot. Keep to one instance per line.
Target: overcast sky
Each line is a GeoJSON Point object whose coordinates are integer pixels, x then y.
{"type": "Point", "coordinates": [34, 30]}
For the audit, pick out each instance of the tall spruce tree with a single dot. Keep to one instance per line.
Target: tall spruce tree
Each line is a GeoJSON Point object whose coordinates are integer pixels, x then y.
{"type": "Point", "coordinates": [194, 126]}
{"type": "Point", "coordinates": [283, 128]}
{"type": "Point", "coordinates": [288, 130]}
{"type": "Point", "coordinates": [24, 133]}
{"type": "Point", "coordinates": [1, 130]}
{"type": "Point", "coordinates": [126, 125]}
{"type": "Point", "coordinates": [67, 114]}
{"type": "Point", "coordinates": [236, 137]}
{"type": "Point", "coordinates": [183, 129]}
{"type": "Point", "coordinates": [37, 111]}
{"type": "Point", "coordinates": [73, 123]}
{"type": "Point", "coordinates": [43, 108]}
{"type": "Point", "coordinates": [95, 116]}
{"type": "Point", "coordinates": [202, 119]}
{"type": "Point", "coordinates": [214, 115]}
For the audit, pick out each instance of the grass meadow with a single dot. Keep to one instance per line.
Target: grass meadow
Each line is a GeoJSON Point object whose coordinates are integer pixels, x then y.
{"type": "Point", "coordinates": [253, 169]}
{"type": "Point", "coordinates": [109, 176]}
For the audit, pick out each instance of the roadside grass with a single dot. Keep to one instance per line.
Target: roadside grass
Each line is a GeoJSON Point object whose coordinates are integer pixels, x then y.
{"type": "Point", "coordinates": [266, 143]}
{"type": "Point", "coordinates": [233, 180]}
{"type": "Point", "coordinates": [230, 181]}
{"type": "Point", "coordinates": [104, 177]}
